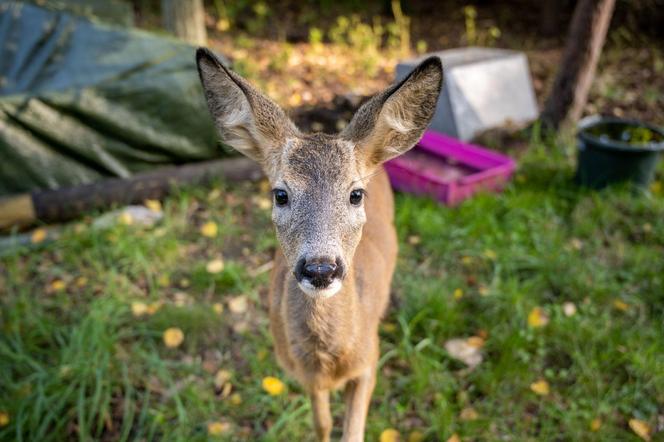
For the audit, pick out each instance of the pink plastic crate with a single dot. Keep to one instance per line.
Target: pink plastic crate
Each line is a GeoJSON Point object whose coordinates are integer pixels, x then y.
{"type": "Point", "coordinates": [449, 170]}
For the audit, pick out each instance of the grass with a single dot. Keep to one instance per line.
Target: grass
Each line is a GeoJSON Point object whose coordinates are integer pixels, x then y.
{"type": "Point", "coordinates": [76, 364]}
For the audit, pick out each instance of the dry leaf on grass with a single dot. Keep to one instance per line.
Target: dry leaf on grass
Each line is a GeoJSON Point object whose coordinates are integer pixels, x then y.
{"type": "Point", "coordinates": [416, 436]}
{"type": "Point", "coordinates": [215, 266]}
{"type": "Point", "coordinates": [4, 419]}
{"type": "Point", "coordinates": [595, 424]}
{"type": "Point", "coordinates": [218, 428]}
{"type": "Point", "coordinates": [238, 304]}
{"type": "Point", "coordinates": [540, 387]}
{"type": "Point", "coordinates": [461, 350]}
{"type": "Point", "coordinates": [537, 318]}
{"type": "Point", "coordinates": [390, 435]}
{"type": "Point", "coordinates": [209, 229]}
{"type": "Point", "coordinates": [38, 235]}
{"type": "Point", "coordinates": [173, 337]}
{"type": "Point", "coordinates": [641, 428]}
{"type": "Point", "coordinates": [454, 438]}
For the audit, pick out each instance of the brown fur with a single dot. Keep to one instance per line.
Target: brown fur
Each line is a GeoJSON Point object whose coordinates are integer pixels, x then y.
{"type": "Point", "coordinates": [326, 342]}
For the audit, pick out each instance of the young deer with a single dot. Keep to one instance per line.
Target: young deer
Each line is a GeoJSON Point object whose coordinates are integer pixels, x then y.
{"type": "Point", "coordinates": [333, 213]}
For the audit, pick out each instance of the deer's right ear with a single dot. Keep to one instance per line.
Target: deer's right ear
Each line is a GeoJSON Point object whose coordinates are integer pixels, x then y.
{"type": "Point", "coordinates": [247, 120]}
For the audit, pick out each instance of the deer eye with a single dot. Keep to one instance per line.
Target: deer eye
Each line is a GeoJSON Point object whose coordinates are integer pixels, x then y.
{"type": "Point", "coordinates": [356, 196]}
{"type": "Point", "coordinates": [280, 197]}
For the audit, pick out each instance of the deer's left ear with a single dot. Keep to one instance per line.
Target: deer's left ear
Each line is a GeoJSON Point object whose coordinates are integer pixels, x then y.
{"type": "Point", "coordinates": [393, 121]}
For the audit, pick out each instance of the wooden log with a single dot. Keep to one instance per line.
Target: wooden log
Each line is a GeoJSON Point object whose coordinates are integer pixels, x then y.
{"type": "Point", "coordinates": [68, 203]}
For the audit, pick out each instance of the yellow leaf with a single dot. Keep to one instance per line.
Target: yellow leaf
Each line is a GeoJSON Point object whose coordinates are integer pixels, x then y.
{"type": "Point", "coordinates": [595, 424]}
{"type": "Point", "coordinates": [416, 436]}
{"type": "Point", "coordinates": [263, 203]}
{"type": "Point", "coordinates": [484, 290]}
{"type": "Point", "coordinates": [656, 187]}
{"type": "Point", "coordinates": [641, 428]}
{"type": "Point", "coordinates": [389, 327]}
{"type": "Point", "coordinates": [540, 387]}
{"type": "Point", "coordinates": [209, 229]}
{"type": "Point", "coordinates": [57, 285]}
{"type": "Point", "coordinates": [81, 281]}
{"type": "Point", "coordinates": [454, 438]}
{"type": "Point", "coordinates": [221, 378]}
{"type": "Point", "coordinates": [235, 399]}
{"type": "Point", "coordinates": [38, 236]}
{"type": "Point", "coordinates": [173, 337]}
{"type": "Point", "coordinates": [458, 293]}
{"type": "Point", "coordinates": [475, 341]}
{"type": "Point", "coordinates": [390, 435]}
{"type": "Point", "coordinates": [126, 218]}
{"type": "Point", "coordinates": [621, 305]}
{"type": "Point", "coordinates": [218, 308]}
{"type": "Point", "coordinates": [468, 414]}
{"type": "Point", "coordinates": [490, 254]}
{"type": "Point", "coordinates": [4, 419]}
{"type": "Point", "coordinates": [273, 386]}
{"type": "Point", "coordinates": [139, 309]}
{"type": "Point", "coordinates": [467, 260]}
{"type": "Point", "coordinates": [153, 308]}
{"type": "Point", "coordinates": [223, 25]}
{"type": "Point", "coordinates": [537, 318]}
{"type": "Point", "coordinates": [215, 266]}
{"type": "Point", "coordinates": [153, 205]}
{"type": "Point", "coordinates": [217, 428]}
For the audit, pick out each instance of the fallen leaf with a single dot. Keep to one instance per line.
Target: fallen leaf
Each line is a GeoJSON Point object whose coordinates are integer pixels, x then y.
{"type": "Point", "coordinates": [263, 203]}
{"type": "Point", "coordinates": [656, 187]}
{"type": "Point", "coordinates": [490, 254]}
{"type": "Point", "coordinates": [621, 305]}
{"type": "Point", "coordinates": [416, 436]}
{"type": "Point", "coordinates": [540, 387]}
{"type": "Point", "coordinates": [414, 240]}
{"type": "Point", "coordinates": [57, 285]}
{"type": "Point", "coordinates": [173, 337]}
{"type": "Point", "coordinates": [81, 281]}
{"type": "Point", "coordinates": [218, 308]}
{"type": "Point", "coordinates": [389, 327]}
{"type": "Point", "coordinates": [273, 386]}
{"type": "Point", "coordinates": [238, 304]}
{"type": "Point", "coordinates": [458, 293]}
{"type": "Point", "coordinates": [38, 235]}
{"type": "Point", "coordinates": [595, 424]}
{"type": "Point", "coordinates": [139, 309]}
{"type": "Point", "coordinates": [537, 318]}
{"type": "Point", "coordinates": [235, 399]}
{"type": "Point", "coordinates": [454, 438]}
{"type": "Point", "coordinates": [641, 428]}
{"type": "Point", "coordinates": [4, 419]}
{"type": "Point", "coordinates": [181, 299]}
{"type": "Point", "coordinates": [467, 260]}
{"type": "Point", "coordinates": [569, 309]}
{"type": "Point", "coordinates": [126, 218]}
{"type": "Point", "coordinates": [475, 341]}
{"type": "Point", "coordinates": [154, 205]}
{"type": "Point", "coordinates": [217, 428]}
{"type": "Point", "coordinates": [390, 435]}
{"type": "Point", "coordinates": [209, 229]}
{"type": "Point", "coordinates": [459, 349]}
{"type": "Point", "coordinates": [484, 290]}
{"type": "Point", "coordinates": [221, 378]}
{"type": "Point", "coordinates": [468, 414]}
{"type": "Point", "coordinates": [215, 266]}
{"type": "Point", "coordinates": [153, 308]}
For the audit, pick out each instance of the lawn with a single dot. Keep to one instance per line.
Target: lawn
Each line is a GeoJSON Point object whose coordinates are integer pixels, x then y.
{"type": "Point", "coordinates": [562, 289]}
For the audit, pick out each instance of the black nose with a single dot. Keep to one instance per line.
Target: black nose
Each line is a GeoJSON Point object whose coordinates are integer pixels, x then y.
{"type": "Point", "coordinates": [319, 271]}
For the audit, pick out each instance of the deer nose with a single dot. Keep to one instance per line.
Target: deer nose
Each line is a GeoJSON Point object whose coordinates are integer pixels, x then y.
{"type": "Point", "coordinates": [319, 271]}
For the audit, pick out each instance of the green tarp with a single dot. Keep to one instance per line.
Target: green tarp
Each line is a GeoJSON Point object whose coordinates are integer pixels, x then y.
{"type": "Point", "coordinates": [81, 100]}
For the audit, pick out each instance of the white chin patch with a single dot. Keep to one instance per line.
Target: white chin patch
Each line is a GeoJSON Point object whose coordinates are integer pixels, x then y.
{"type": "Point", "coordinates": [308, 288]}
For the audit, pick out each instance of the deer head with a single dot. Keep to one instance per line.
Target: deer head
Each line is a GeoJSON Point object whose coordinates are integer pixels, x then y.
{"type": "Point", "coordinates": [319, 180]}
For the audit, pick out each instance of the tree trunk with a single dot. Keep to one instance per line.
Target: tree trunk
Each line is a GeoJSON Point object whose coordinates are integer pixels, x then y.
{"type": "Point", "coordinates": [575, 76]}
{"type": "Point", "coordinates": [185, 19]}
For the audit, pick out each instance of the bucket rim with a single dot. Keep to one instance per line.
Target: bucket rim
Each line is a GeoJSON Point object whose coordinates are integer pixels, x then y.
{"type": "Point", "coordinates": [594, 120]}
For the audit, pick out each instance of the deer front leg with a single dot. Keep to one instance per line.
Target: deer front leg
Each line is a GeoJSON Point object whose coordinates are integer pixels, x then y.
{"type": "Point", "coordinates": [320, 404]}
{"type": "Point", "coordinates": [358, 395]}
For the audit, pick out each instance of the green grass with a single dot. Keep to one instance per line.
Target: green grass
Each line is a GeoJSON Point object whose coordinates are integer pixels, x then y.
{"type": "Point", "coordinates": [75, 364]}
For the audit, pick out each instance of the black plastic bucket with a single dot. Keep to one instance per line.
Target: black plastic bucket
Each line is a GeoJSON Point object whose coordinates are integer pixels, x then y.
{"type": "Point", "coordinates": [613, 150]}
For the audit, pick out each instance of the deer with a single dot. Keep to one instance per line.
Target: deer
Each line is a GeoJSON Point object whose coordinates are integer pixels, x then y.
{"type": "Point", "coordinates": [333, 213]}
